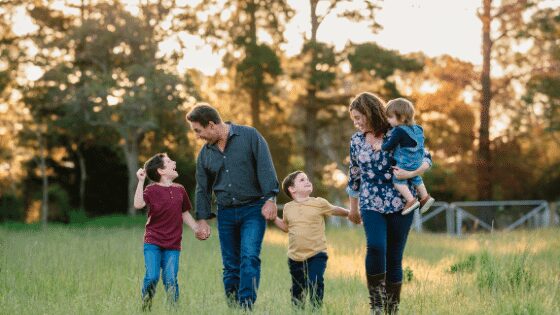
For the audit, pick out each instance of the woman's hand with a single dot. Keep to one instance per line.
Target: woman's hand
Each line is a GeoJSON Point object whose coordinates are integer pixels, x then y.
{"type": "Point", "coordinates": [354, 216]}
{"type": "Point", "coordinates": [399, 173]}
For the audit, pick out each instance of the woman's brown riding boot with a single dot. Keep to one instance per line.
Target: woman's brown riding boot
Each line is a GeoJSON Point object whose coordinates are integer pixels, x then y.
{"type": "Point", "coordinates": [376, 288]}
{"type": "Point", "coordinates": [393, 297]}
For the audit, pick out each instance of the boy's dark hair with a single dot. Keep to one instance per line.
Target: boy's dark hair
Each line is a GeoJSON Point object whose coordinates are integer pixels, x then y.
{"type": "Point", "coordinates": [289, 182]}
{"type": "Point", "coordinates": [203, 114]}
{"type": "Point", "coordinates": [152, 165]}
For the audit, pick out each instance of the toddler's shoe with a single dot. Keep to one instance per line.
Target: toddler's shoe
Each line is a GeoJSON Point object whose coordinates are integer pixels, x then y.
{"type": "Point", "coordinates": [426, 203]}
{"type": "Point", "coordinates": [410, 206]}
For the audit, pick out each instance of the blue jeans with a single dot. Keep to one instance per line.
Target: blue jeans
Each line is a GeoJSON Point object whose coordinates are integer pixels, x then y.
{"type": "Point", "coordinates": [415, 181]}
{"type": "Point", "coordinates": [386, 236]}
{"type": "Point", "coordinates": [166, 260]}
{"type": "Point", "coordinates": [307, 277]}
{"type": "Point", "coordinates": [241, 232]}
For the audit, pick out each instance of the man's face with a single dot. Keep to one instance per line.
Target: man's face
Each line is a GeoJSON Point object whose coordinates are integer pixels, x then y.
{"type": "Point", "coordinates": [208, 133]}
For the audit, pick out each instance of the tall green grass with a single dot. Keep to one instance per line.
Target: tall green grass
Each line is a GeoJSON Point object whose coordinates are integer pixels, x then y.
{"type": "Point", "coordinates": [98, 267]}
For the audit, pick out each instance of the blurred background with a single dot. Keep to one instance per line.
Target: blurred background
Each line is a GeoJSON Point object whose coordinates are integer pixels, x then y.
{"type": "Point", "coordinates": [90, 89]}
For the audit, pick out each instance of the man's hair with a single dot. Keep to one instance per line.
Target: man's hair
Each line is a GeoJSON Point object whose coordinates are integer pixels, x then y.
{"type": "Point", "coordinates": [203, 114]}
{"type": "Point", "coordinates": [152, 165]}
{"type": "Point", "coordinates": [289, 182]}
{"type": "Point", "coordinates": [402, 109]}
{"type": "Point", "coordinates": [373, 107]}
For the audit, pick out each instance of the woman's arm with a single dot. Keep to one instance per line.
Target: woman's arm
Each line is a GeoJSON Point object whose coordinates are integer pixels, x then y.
{"type": "Point", "coordinates": [404, 174]}
{"type": "Point", "coordinates": [354, 214]}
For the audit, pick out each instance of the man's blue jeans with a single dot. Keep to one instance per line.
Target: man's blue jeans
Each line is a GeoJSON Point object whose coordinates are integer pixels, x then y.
{"type": "Point", "coordinates": [241, 232]}
{"type": "Point", "coordinates": [308, 277]}
{"type": "Point", "coordinates": [166, 260]}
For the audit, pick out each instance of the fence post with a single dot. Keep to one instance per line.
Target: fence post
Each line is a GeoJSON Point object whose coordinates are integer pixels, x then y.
{"type": "Point", "coordinates": [417, 220]}
{"type": "Point", "coordinates": [459, 221]}
{"type": "Point", "coordinates": [449, 219]}
{"type": "Point", "coordinates": [547, 215]}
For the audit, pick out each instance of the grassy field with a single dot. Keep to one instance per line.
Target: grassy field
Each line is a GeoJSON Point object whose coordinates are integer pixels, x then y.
{"type": "Point", "coordinates": [97, 268]}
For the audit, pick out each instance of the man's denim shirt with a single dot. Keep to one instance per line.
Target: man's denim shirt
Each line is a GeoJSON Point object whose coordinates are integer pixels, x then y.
{"type": "Point", "coordinates": [243, 173]}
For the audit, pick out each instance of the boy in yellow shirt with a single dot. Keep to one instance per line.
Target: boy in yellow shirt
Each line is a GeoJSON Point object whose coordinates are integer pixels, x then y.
{"type": "Point", "coordinates": [304, 221]}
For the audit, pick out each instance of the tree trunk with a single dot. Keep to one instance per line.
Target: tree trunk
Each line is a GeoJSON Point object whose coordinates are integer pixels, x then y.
{"type": "Point", "coordinates": [310, 125]}
{"type": "Point", "coordinates": [45, 180]}
{"type": "Point", "coordinates": [254, 91]}
{"type": "Point", "coordinates": [483, 162]}
{"type": "Point", "coordinates": [130, 149]}
{"type": "Point", "coordinates": [83, 178]}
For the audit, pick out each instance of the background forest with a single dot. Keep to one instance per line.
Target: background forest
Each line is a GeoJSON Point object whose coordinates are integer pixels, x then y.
{"type": "Point", "coordinates": [90, 89]}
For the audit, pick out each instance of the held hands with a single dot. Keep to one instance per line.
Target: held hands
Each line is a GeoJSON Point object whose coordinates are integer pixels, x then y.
{"type": "Point", "coordinates": [354, 216]}
{"type": "Point", "coordinates": [269, 210]}
{"type": "Point", "coordinates": [141, 174]}
{"type": "Point", "coordinates": [376, 146]}
{"type": "Point", "coordinates": [202, 230]}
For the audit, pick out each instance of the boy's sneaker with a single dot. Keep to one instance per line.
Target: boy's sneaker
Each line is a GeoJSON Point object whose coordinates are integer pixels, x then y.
{"type": "Point", "coordinates": [410, 206]}
{"type": "Point", "coordinates": [426, 203]}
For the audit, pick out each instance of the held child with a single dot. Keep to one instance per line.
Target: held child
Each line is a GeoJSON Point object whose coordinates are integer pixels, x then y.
{"type": "Point", "coordinates": [407, 141]}
{"type": "Point", "coordinates": [304, 221]}
{"type": "Point", "coordinates": [168, 207]}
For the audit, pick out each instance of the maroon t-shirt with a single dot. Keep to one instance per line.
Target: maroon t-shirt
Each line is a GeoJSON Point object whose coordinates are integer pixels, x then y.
{"type": "Point", "coordinates": [164, 227]}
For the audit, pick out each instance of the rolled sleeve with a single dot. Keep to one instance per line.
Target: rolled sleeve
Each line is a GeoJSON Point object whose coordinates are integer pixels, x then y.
{"type": "Point", "coordinates": [354, 173]}
{"type": "Point", "coordinates": [427, 157]}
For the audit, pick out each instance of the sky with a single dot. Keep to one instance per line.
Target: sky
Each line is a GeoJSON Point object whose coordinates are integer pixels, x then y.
{"type": "Point", "coordinates": [435, 27]}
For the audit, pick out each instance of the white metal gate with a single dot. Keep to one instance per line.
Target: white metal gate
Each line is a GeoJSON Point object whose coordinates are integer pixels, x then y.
{"type": "Point", "coordinates": [457, 214]}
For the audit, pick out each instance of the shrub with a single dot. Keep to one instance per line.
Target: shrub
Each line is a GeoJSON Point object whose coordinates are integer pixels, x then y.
{"type": "Point", "coordinates": [466, 265]}
{"type": "Point", "coordinates": [11, 208]}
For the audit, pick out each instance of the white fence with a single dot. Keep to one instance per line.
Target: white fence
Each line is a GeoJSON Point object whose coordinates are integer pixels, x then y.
{"type": "Point", "coordinates": [461, 217]}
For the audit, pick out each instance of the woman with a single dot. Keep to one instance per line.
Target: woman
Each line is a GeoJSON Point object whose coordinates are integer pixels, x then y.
{"type": "Point", "coordinates": [380, 204]}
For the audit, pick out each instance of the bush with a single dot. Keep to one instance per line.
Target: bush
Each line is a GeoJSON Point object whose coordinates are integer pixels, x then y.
{"type": "Point", "coordinates": [77, 216]}
{"type": "Point", "coordinates": [11, 208]}
{"type": "Point", "coordinates": [59, 205]}
{"type": "Point", "coordinates": [466, 265]}
{"type": "Point", "coordinates": [513, 275]}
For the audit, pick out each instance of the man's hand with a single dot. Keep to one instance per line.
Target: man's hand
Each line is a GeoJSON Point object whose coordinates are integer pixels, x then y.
{"type": "Point", "coordinates": [269, 210]}
{"type": "Point", "coordinates": [203, 230]}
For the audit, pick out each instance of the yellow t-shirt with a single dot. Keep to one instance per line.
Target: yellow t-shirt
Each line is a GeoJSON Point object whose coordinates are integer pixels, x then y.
{"type": "Point", "coordinates": [306, 227]}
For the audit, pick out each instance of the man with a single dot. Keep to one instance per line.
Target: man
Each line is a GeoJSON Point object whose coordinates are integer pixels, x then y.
{"type": "Point", "coordinates": [235, 165]}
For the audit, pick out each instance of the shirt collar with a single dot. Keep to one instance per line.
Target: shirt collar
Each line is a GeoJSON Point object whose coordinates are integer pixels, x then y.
{"type": "Point", "coordinates": [233, 130]}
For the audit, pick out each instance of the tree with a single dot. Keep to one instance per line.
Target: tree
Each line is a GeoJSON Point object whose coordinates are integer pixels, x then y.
{"type": "Point", "coordinates": [508, 16]}
{"type": "Point", "coordinates": [234, 30]}
{"type": "Point", "coordinates": [113, 79]}
{"type": "Point", "coordinates": [319, 72]}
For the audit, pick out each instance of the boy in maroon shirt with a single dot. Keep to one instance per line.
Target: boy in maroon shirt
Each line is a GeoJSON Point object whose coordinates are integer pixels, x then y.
{"type": "Point", "coordinates": [168, 207]}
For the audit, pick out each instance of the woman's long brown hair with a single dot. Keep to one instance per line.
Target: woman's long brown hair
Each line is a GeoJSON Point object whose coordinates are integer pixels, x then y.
{"type": "Point", "coordinates": [373, 107]}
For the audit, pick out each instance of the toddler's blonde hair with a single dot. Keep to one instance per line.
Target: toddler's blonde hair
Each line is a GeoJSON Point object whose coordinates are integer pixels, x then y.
{"type": "Point", "coordinates": [402, 109]}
